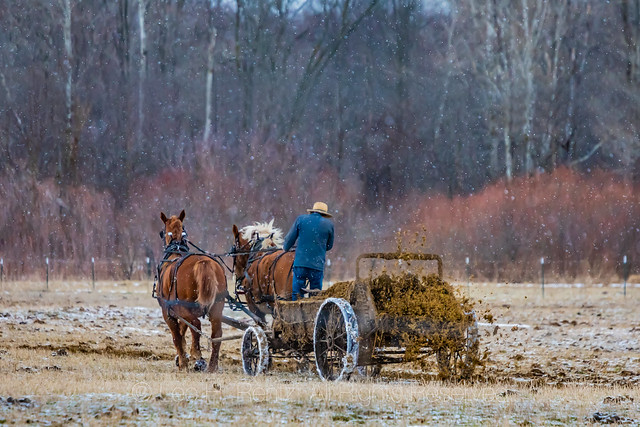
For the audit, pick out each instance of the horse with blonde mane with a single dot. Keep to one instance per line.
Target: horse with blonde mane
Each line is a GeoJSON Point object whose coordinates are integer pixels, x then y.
{"type": "Point", "coordinates": [190, 286]}
{"type": "Point", "coordinates": [263, 270]}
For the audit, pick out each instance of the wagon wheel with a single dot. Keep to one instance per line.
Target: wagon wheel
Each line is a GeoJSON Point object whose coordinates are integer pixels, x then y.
{"type": "Point", "coordinates": [335, 339]}
{"type": "Point", "coordinates": [443, 357]}
{"type": "Point", "coordinates": [255, 351]}
{"type": "Point", "coordinates": [369, 371]}
{"type": "Point", "coordinates": [471, 354]}
{"type": "Point", "coordinates": [462, 361]}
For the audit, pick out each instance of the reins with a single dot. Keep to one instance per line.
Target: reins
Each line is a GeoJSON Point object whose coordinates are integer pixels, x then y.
{"type": "Point", "coordinates": [232, 253]}
{"type": "Point", "coordinates": [181, 248]}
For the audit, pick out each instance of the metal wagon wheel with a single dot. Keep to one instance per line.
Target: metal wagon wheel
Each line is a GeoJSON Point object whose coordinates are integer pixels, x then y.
{"type": "Point", "coordinates": [255, 351]}
{"type": "Point", "coordinates": [471, 354]}
{"type": "Point", "coordinates": [369, 371]}
{"type": "Point", "coordinates": [461, 362]}
{"type": "Point", "coordinates": [335, 339]}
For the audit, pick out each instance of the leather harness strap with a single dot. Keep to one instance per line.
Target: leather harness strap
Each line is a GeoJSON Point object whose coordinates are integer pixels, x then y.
{"type": "Point", "coordinates": [181, 248]}
{"type": "Point", "coordinates": [272, 273]}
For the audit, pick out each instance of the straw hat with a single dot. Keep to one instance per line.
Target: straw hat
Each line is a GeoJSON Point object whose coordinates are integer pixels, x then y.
{"type": "Point", "coordinates": [321, 208]}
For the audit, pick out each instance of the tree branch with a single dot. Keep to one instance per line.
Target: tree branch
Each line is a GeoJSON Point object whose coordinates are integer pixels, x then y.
{"type": "Point", "coordinates": [588, 155]}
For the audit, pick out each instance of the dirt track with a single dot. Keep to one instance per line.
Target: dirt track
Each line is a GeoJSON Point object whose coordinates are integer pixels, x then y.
{"type": "Point", "coordinates": [105, 357]}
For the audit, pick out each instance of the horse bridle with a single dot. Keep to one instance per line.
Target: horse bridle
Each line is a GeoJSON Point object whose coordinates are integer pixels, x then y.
{"type": "Point", "coordinates": [170, 234]}
{"type": "Point", "coordinates": [175, 246]}
{"type": "Point", "coordinates": [248, 248]}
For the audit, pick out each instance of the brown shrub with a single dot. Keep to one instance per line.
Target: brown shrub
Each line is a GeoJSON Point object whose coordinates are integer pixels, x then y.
{"type": "Point", "coordinates": [581, 224]}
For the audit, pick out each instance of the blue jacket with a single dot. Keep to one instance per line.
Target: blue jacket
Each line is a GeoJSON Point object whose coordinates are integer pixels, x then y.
{"type": "Point", "coordinates": [314, 234]}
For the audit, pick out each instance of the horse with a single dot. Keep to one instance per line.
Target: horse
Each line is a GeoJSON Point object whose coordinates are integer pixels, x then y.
{"type": "Point", "coordinates": [190, 286]}
{"type": "Point", "coordinates": [262, 269]}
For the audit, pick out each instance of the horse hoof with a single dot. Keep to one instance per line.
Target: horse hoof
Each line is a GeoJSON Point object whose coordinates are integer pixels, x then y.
{"type": "Point", "coordinates": [200, 366]}
{"type": "Point", "coordinates": [178, 360]}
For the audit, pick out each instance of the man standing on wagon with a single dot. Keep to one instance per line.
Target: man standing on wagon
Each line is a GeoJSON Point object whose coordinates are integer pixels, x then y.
{"type": "Point", "coordinates": [314, 233]}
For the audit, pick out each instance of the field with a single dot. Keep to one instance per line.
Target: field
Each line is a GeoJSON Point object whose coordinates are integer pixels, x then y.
{"type": "Point", "coordinates": [73, 355]}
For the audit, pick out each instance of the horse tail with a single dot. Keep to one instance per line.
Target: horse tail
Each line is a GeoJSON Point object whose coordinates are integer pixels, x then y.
{"type": "Point", "coordinates": [205, 274]}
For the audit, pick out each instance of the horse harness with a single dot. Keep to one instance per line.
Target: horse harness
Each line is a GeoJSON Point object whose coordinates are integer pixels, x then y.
{"type": "Point", "coordinates": [256, 254]}
{"type": "Point", "coordinates": [272, 273]}
{"type": "Point", "coordinates": [180, 248]}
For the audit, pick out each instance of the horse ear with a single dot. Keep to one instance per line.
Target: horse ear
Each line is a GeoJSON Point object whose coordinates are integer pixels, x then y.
{"type": "Point", "coordinates": [235, 231]}
{"type": "Point", "coordinates": [163, 217]}
{"type": "Point", "coordinates": [182, 215]}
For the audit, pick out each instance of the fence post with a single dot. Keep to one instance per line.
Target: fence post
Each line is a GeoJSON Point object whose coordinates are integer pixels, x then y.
{"type": "Point", "coordinates": [542, 274]}
{"type": "Point", "coordinates": [93, 273]}
{"type": "Point", "coordinates": [148, 268]}
{"type": "Point", "coordinates": [1, 270]}
{"type": "Point", "coordinates": [47, 262]}
{"type": "Point", "coordinates": [468, 271]}
{"type": "Point", "coordinates": [625, 273]}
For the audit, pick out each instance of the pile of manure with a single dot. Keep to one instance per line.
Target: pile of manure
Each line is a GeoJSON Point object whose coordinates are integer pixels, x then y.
{"type": "Point", "coordinates": [410, 295]}
{"type": "Point", "coordinates": [337, 290]}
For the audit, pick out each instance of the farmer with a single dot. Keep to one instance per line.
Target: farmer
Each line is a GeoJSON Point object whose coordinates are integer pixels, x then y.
{"type": "Point", "coordinates": [314, 233]}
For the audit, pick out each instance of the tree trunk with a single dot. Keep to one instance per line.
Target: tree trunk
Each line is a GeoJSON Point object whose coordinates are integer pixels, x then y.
{"type": "Point", "coordinates": [445, 88]}
{"type": "Point", "coordinates": [493, 155]}
{"type": "Point", "coordinates": [209, 90]}
{"type": "Point", "coordinates": [142, 73]}
{"type": "Point", "coordinates": [123, 41]}
{"type": "Point", "coordinates": [533, 19]}
{"type": "Point", "coordinates": [322, 54]}
{"type": "Point", "coordinates": [68, 164]}
{"type": "Point", "coordinates": [553, 72]}
{"type": "Point", "coordinates": [508, 157]}
{"type": "Point", "coordinates": [244, 63]}
{"type": "Point", "coordinates": [630, 10]}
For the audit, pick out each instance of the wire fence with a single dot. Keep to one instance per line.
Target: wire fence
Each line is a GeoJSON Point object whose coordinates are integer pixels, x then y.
{"type": "Point", "coordinates": [93, 269]}
{"type": "Point", "coordinates": [541, 270]}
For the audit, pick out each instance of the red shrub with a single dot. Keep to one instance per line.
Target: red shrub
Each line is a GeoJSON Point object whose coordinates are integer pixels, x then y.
{"type": "Point", "coordinates": [581, 225]}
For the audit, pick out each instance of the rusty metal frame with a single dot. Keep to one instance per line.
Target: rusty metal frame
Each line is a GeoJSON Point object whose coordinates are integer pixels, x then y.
{"type": "Point", "coordinates": [400, 256]}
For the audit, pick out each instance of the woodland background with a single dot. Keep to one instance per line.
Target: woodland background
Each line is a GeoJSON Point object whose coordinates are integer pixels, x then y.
{"type": "Point", "coordinates": [499, 130]}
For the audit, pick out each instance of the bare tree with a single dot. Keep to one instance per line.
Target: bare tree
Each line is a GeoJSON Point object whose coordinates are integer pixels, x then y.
{"type": "Point", "coordinates": [552, 75]}
{"type": "Point", "coordinates": [122, 38]}
{"type": "Point", "coordinates": [630, 11]}
{"type": "Point", "coordinates": [69, 155]}
{"type": "Point", "coordinates": [142, 71]}
{"type": "Point", "coordinates": [577, 62]}
{"type": "Point", "coordinates": [329, 40]}
{"type": "Point", "coordinates": [511, 47]}
{"type": "Point", "coordinates": [533, 20]}
{"type": "Point", "coordinates": [444, 96]}
{"type": "Point", "coordinates": [209, 85]}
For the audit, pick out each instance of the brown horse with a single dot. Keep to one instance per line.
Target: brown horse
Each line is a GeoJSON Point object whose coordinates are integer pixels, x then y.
{"type": "Point", "coordinates": [189, 286]}
{"type": "Point", "coordinates": [263, 271]}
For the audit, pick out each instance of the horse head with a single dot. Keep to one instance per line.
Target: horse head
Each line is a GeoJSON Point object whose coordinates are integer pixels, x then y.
{"type": "Point", "coordinates": [173, 229]}
{"type": "Point", "coordinates": [240, 250]}
{"type": "Point", "coordinates": [251, 239]}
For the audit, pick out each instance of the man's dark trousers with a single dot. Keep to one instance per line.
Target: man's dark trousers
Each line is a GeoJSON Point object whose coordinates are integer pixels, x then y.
{"type": "Point", "coordinates": [301, 275]}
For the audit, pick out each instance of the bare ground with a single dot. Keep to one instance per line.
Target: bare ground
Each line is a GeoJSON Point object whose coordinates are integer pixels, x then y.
{"type": "Point", "coordinates": [76, 356]}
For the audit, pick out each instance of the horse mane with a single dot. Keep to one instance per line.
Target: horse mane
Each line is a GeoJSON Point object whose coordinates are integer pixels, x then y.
{"type": "Point", "coordinates": [265, 230]}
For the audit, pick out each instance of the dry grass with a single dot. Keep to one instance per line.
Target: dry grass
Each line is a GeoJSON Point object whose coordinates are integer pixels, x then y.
{"type": "Point", "coordinates": [117, 366]}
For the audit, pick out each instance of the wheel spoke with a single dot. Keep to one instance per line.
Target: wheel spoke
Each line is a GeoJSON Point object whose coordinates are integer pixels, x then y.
{"type": "Point", "coordinates": [331, 341]}
{"type": "Point", "coordinates": [254, 355]}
